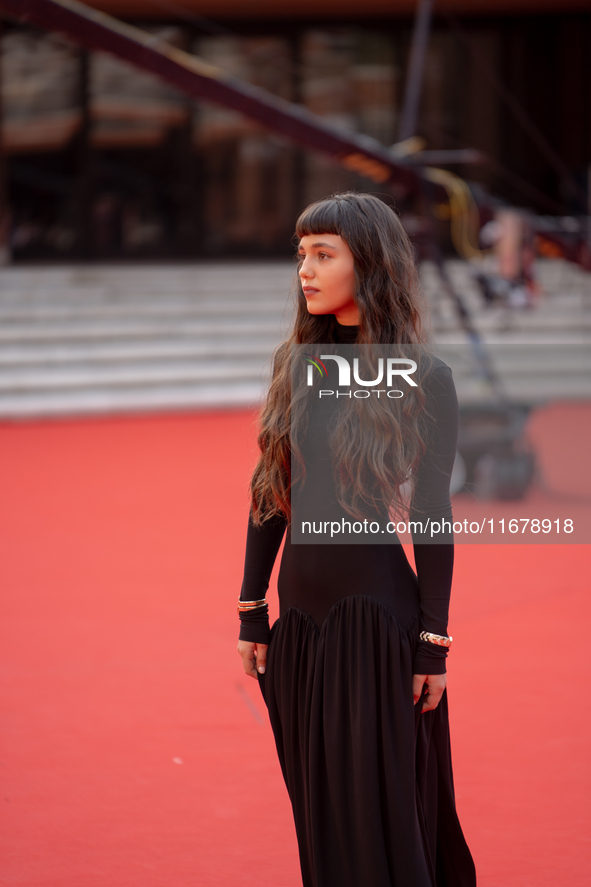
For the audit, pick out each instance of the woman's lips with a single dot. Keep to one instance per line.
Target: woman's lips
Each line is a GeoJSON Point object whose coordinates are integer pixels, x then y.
{"type": "Point", "coordinates": [309, 290]}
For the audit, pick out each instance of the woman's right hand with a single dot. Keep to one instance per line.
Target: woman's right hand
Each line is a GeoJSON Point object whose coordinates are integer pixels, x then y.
{"type": "Point", "coordinates": [254, 657]}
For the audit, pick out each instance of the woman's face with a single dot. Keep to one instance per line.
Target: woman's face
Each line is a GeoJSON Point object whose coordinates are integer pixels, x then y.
{"type": "Point", "coordinates": [327, 273]}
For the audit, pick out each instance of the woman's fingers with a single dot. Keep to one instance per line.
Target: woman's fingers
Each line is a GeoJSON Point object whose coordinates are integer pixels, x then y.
{"type": "Point", "coordinates": [431, 701]}
{"type": "Point", "coordinates": [246, 651]}
{"type": "Point", "coordinates": [261, 654]}
{"type": "Point", "coordinates": [436, 684]}
{"type": "Point", "coordinates": [418, 682]}
{"type": "Point", "coordinates": [254, 657]}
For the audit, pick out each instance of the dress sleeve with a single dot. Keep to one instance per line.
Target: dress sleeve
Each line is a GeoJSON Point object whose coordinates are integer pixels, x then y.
{"type": "Point", "coordinates": [262, 545]}
{"type": "Point", "coordinates": [431, 502]}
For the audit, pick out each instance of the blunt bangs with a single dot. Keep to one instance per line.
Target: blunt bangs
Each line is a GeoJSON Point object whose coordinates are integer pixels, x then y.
{"type": "Point", "coordinates": [323, 217]}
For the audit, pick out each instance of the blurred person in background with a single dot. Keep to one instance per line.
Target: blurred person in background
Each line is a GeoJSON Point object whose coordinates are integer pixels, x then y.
{"type": "Point", "coordinates": [511, 278]}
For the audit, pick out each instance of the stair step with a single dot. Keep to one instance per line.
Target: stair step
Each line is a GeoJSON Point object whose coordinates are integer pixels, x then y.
{"type": "Point", "coordinates": [135, 328]}
{"type": "Point", "coordinates": [166, 310]}
{"type": "Point", "coordinates": [114, 401]}
{"type": "Point", "coordinates": [106, 351]}
{"type": "Point", "coordinates": [139, 374]}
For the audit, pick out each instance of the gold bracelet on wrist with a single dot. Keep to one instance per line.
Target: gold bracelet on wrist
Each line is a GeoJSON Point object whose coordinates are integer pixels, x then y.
{"type": "Point", "coordinates": [439, 639]}
{"type": "Point", "coordinates": [247, 606]}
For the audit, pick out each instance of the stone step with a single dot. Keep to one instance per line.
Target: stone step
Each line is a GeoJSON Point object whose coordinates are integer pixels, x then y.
{"type": "Point", "coordinates": [108, 401]}
{"type": "Point", "coordinates": [157, 310]}
{"type": "Point", "coordinates": [125, 351]}
{"type": "Point", "coordinates": [562, 338]}
{"type": "Point", "coordinates": [544, 355]}
{"type": "Point", "coordinates": [39, 286]}
{"type": "Point", "coordinates": [526, 357]}
{"type": "Point", "coordinates": [129, 375]}
{"type": "Point", "coordinates": [532, 392]}
{"type": "Point", "coordinates": [137, 327]}
{"type": "Point", "coordinates": [232, 393]}
{"type": "Point", "coordinates": [59, 320]}
{"type": "Point", "coordinates": [512, 369]}
{"type": "Point", "coordinates": [550, 318]}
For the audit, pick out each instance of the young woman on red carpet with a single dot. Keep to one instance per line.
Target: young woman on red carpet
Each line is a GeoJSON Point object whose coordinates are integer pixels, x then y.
{"type": "Point", "coordinates": [353, 671]}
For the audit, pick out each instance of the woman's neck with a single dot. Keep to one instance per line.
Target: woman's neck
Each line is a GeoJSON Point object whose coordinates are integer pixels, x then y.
{"type": "Point", "coordinates": [347, 315]}
{"type": "Point", "coordinates": [346, 334]}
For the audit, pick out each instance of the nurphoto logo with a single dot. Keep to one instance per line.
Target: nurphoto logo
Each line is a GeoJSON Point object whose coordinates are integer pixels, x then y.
{"type": "Point", "coordinates": [399, 367]}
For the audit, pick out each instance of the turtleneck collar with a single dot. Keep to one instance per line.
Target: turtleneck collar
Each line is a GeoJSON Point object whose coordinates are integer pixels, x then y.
{"type": "Point", "coordinates": [346, 335]}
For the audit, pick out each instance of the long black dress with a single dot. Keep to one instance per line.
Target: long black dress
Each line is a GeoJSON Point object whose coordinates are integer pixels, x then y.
{"type": "Point", "coordinates": [369, 777]}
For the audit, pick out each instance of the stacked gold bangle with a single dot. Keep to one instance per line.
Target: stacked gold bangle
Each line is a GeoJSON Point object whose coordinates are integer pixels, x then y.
{"type": "Point", "coordinates": [439, 639]}
{"type": "Point", "coordinates": [247, 606]}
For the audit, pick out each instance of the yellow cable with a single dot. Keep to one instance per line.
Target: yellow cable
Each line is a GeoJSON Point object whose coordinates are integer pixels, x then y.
{"type": "Point", "coordinates": [463, 211]}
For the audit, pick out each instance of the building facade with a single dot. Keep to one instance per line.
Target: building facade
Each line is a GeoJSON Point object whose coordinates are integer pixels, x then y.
{"type": "Point", "coordinates": [102, 160]}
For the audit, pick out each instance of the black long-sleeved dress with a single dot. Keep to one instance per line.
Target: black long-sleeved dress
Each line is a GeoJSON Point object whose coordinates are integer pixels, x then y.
{"type": "Point", "coordinates": [369, 777]}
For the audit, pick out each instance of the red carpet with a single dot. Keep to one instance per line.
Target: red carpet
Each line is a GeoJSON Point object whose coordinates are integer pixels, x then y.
{"type": "Point", "coordinates": [135, 753]}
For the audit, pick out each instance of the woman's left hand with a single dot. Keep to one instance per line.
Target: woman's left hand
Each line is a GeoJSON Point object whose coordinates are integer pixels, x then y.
{"type": "Point", "coordinates": [254, 657]}
{"type": "Point", "coordinates": [436, 684]}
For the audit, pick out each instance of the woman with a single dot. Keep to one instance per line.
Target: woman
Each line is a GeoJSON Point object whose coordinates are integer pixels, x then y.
{"type": "Point", "coordinates": [356, 699]}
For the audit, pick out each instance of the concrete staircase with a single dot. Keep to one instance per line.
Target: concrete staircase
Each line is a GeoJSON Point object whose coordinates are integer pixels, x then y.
{"type": "Point", "coordinates": [539, 355]}
{"type": "Point", "coordinates": [78, 340]}
{"type": "Point", "coordinates": [108, 339]}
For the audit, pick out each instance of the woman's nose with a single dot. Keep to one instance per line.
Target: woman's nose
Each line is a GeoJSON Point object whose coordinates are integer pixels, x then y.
{"type": "Point", "coordinates": [305, 271]}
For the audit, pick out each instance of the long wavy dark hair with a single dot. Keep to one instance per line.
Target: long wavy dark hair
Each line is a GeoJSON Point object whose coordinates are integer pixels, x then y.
{"type": "Point", "coordinates": [375, 449]}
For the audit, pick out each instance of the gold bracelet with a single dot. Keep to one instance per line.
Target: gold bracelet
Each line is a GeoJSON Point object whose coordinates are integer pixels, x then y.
{"type": "Point", "coordinates": [439, 639]}
{"type": "Point", "coordinates": [247, 606]}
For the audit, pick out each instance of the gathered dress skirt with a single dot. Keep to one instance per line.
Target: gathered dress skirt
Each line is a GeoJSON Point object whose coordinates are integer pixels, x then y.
{"type": "Point", "coordinates": [369, 777]}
